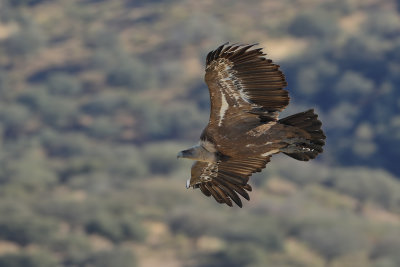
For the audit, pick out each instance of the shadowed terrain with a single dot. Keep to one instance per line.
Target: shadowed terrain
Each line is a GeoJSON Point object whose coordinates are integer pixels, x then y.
{"type": "Point", "coordinates": [97, 97]}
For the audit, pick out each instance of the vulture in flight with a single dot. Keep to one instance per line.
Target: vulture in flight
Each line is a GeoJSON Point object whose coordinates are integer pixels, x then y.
{"type": "Point", "coordinates": [244, 131]}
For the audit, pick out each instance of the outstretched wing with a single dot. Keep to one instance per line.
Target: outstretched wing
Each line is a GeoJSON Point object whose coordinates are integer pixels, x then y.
{"type": "Point", "coordinates": [243, 84]}
{"type": "Point", "coordinates": [224, 180]}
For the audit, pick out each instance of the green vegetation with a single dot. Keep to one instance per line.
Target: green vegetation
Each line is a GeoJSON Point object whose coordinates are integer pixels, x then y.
{"type": "Point", "coordinates": [97, 97]}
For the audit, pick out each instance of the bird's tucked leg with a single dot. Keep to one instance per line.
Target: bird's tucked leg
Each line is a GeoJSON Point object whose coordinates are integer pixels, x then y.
{"type": "Point", "coordinates": [296, 148]}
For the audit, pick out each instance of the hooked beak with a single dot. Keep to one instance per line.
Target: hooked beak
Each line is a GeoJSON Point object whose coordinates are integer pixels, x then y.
{"type": "Point", "coordinates": [187, 183]}
{"type": "Point", "coordinates": [184, 154]}
{"type": "Point", "coordinates": [180, 155]}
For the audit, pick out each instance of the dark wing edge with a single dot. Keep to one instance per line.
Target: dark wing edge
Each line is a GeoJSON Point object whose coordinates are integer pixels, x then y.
{"type": "Point", "coordinates": [258, 79]}
{"type": "Point", "coordinates": [226, 180]}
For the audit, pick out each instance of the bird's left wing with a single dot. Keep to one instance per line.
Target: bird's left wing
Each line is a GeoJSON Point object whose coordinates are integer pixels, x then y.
{"type": "Point", "coordinates": [224, 180]}
{"type": "Point", "coordinates": [242, 82]}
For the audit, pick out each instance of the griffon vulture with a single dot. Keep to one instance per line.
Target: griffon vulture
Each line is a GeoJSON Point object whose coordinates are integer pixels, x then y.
{"type": "Point", "coordinates": [244, 131]}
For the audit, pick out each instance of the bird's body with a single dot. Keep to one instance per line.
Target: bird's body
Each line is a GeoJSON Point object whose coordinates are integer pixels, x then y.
{"type": "Point", "coordinates": [246, 93]}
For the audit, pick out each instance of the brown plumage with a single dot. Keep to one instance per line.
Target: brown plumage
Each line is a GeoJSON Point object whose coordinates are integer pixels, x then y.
{"type": "Point", "coordinates": [246, 93]}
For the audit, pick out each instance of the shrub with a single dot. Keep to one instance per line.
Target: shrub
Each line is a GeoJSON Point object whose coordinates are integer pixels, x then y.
{"type": "Point", "coordinates": [116, 257]}
{"type": "Point", "coordinates": [54, 110]}
{"type": "Point", "coordinates": [103, 39]}
{"type": "Point", "coordinates": [130, 73]}
{"type": "Point", "coordinates": [234, 255]}
{"type": "Point", "coordinates": [178, 120]}
{"type": "Point", "coordinates": [354, 84]}
{"type": "Point", "coordinates": [366, 184]}
{"type": "Point", "coordinates": [14, 117]}
{"type": "Point", "coordinates": [26, 229]}
{"type": "Point", "coordinates": [25, 42]}
{"type": "Point", "coordinates": [265, 233]}
{"type": "Point", "coordinates": [24, 259]}
{"type": "Point", "coordinates": [383, 23]}
{"type": "Point", "coordinates": [75, 249]}
{"type": "Point", "coordinates": [114, 228]}
{"type": "Point", "coordinates": [161, 157]}
{"type": "Point", "coordinates": [29, 171]}
{"type": "Point", "coordinates": [104, 104]}
{"type": "Point", "coordinates": [334, 240]}
{"type": "Point", "coordinates": [104, 127]}
{"type": "Point", "coordinates": [58, 112]}
{"type": "Point", "coordinates": [73, 212]}
{"type": "Point", "coordinates": [317, 24]}
{"type": "Point", "coordinates": [388, 247]}
{"type": "Point", "coordinates": [65, 145]}
{"type": "Point", "coordinates": [191, 223]}
{"type": "Point", "coordinates": [128, 162]}
{"type": "Point", "coordinates": [63, 84]}
{"type": "Point", "coordinates": [4, 84]}
{"type": "Point", "coordinates": [25, 2]}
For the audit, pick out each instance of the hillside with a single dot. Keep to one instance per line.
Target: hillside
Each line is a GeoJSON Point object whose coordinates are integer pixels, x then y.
{"type": "Point", "coordinates": [97, 97]}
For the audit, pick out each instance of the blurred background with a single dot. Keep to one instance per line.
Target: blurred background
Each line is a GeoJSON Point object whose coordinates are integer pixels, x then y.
{"type": "Point", "coordinates": [97, 97]}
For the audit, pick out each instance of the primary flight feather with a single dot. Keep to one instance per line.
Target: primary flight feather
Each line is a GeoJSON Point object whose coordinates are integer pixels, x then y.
{"type": "Point", "coordinates": [247, 93]}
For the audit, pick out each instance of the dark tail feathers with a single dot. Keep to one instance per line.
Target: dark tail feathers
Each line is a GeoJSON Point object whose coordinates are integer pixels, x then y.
{"type": "Point", "coordinates": [309, 122]}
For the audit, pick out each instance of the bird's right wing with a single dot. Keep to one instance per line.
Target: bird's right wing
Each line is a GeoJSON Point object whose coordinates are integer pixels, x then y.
{"type": "Point", "coordinates": [224, 180]}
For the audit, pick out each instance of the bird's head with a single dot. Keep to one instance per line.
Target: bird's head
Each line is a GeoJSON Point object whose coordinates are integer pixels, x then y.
{"type": "Point", "coordinates": [199, 153]}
